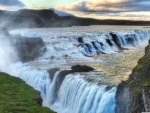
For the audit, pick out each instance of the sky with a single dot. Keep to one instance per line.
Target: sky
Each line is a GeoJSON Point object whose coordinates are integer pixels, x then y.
{"type": "Point", "coordinates": [98, 9]}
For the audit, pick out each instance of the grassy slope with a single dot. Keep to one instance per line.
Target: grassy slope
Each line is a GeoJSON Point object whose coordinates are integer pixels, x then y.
{"type": "Point", "coordinates": [17, 97]}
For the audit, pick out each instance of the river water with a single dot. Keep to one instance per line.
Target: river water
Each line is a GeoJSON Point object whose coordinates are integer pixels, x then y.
{"type": "Point", "coordinates": [112, 53]}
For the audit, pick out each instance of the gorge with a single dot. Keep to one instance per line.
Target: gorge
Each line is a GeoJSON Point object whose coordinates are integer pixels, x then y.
{"type": "Point", "coordinates": [63, 65]}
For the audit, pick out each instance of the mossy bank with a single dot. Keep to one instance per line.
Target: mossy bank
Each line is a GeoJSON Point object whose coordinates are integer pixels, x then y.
{"type": "Point", "coordinates": [17, 97]}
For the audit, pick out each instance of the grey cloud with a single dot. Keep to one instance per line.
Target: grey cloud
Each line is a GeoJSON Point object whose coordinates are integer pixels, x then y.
{"type": "Point", "coordinates": [11, 3]}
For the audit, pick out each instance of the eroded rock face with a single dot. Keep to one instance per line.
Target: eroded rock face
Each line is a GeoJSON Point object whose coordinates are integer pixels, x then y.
{"type": "Point", "coordinates": [147, 50]}
{"type": "Point", "coordinates": [146, 98]}
{"type": "Point", "coordinates": [133, 96]}
{"type": "Point", "coordinates": [123, 99]}
{"type": "Point", "coordinates": [29, 48]}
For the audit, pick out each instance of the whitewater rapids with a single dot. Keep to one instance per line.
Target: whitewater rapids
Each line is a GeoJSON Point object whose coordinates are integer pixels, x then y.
{"type": "Point", "coordinates": [71, 93]}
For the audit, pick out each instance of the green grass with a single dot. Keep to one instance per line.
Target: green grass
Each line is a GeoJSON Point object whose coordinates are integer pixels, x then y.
{"type": "Point", "coordinates": [17, 97]}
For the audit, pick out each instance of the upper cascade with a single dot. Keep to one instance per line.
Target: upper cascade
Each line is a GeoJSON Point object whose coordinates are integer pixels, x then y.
{"type": "Point", "coordinates": [83, 44]}
{"type": "Point", "coordinates": [113, 41]}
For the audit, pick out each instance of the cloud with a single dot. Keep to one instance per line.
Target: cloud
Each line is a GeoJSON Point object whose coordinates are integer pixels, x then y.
{"type": "Point", "coordinates": [11, 3]}
{"type": "Point", "coordinates": [108, 8]}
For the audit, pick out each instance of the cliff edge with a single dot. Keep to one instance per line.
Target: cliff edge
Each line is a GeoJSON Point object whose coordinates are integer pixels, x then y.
{"type": "Point", "coordinates": [133, 95]}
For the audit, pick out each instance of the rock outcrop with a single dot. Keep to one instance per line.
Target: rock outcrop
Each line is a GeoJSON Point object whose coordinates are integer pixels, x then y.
{"type": "Point", "coordinates": [133, 96]}
{"type": "Point", "coordinates": [27, 48]}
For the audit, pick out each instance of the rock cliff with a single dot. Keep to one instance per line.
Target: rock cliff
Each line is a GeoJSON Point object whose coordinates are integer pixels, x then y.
{"type": "Point", "coordinates": [133, 95]}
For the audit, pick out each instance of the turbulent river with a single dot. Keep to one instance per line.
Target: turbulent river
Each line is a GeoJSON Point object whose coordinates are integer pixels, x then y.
{"type": "Point", "coordinates": [112, 54]}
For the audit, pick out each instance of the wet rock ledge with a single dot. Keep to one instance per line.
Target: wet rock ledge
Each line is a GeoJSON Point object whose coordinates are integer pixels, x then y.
{"type": "Point", "coordinates": [133, 96]}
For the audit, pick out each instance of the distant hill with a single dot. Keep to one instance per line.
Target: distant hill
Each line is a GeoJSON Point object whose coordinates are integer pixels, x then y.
{"type": "Point", "coordinates": [51, 18]}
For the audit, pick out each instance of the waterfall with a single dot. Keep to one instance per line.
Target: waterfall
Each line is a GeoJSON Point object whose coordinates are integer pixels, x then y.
{"type": "Point", "coordinates": [114, 41]}
{"type": "Point", "coordinates": [71, 93]}
{"type": "Point", "coordinates": [81, 44]}
{"type": "Point", "coordinates": [79, 96]}
{"type": "Point", "coordinates": [74, 95]}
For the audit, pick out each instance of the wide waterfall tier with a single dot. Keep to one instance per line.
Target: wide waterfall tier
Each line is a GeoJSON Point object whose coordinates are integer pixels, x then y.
{"type": "Point", "coordinates": [68, 93]}
{"type": "Point", "coordinates": [79, 92]}
{"type": "Point", "coordinates": [76, 45]}
{"type": "Point", "coordinates": [113, 41]}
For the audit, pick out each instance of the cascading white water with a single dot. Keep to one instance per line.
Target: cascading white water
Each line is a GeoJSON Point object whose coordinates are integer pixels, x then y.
{"type": "Point", "coordinates": [91, 43]}
{"type": "Point", "coordinates": [79, 96]}
{"type": "Point", "coordinates": [113, 41]}
{"type": "Point", "coordinates": [75, 95]}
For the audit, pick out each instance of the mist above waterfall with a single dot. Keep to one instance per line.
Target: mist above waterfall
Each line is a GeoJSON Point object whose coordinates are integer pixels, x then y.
{"type": "Point", "coordinates": [8, 54]}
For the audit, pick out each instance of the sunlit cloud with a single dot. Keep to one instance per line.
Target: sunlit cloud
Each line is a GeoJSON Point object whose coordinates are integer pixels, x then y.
{"type": "Point", "coordinates": [110, 9]}
{"type": "Point", "coordinates": [99, 9]}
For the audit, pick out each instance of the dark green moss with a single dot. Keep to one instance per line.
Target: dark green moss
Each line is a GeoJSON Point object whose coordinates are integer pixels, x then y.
{"type": "Point", "coordinates": [17, 97]}
{"type": "Point", "coordinates": [147, 83]}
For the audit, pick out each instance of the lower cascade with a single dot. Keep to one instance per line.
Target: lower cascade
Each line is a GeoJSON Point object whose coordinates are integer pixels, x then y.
{"type": "Point", "coordinates": [80, 96]}
{"type": "Point", "coordinates": [74, 95]}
